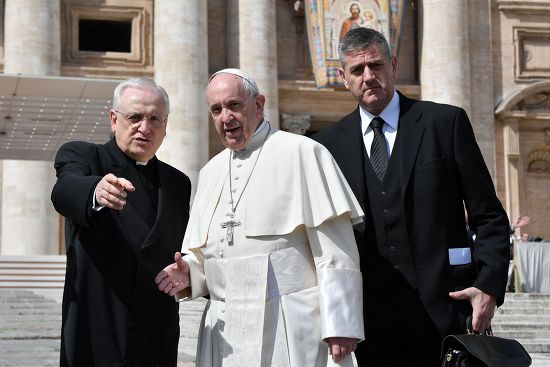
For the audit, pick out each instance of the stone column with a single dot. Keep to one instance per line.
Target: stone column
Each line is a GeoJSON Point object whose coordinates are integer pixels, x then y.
{"type": "Point", "coordinates": [512, 168]}
{"type": "Point", "coordinates": [445, 64]}
{"type": "Point", "coordinates": [30, 225]}
{"type": "Point", "coordinates": [2, 66]}
{"type": "Point", "coordinates": [456, 65]}
{"type": "Point", "coordinates": [181, 67]}
{"type": "Point", "coordinates": [252, 46]}
{"type": "Point", "coordinates": [2, 33]}
{"type": "Point", "coordinates": [482, 100]}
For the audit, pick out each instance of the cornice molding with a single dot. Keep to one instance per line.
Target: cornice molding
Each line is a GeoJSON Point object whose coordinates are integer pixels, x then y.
{"type": "Point", "coordinates": [524, 7]}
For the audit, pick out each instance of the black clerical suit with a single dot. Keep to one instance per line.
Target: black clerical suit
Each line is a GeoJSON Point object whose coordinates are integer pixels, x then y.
{"type": "Point", "coordinates": [113, 313]}
{"type": "Point", "coordinates": [412, 218]}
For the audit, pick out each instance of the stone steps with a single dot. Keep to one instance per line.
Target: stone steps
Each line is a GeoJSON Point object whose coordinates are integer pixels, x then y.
{"type": "Point", "coordinates": [30, 328]}
{"type": "Point", "coordinates": [30, 318]}
{"type": "Point", "coordinates": [47, 271]}
{"type": "Point", "coordinates": [526, 318]}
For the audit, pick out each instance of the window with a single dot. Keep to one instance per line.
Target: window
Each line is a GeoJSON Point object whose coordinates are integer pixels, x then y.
{"type": "Point", "coordinates": [107, 40]}
{"type": "Point", "coordinates": [104, 35]}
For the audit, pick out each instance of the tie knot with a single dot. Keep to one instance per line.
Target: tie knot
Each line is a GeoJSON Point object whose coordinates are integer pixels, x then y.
{"type": "Point", "coordinates": [377, 123]}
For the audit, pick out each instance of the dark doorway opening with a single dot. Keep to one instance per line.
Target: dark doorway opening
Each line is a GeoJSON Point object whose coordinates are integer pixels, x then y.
{"type": "Point", "coordinates": [105, 35]}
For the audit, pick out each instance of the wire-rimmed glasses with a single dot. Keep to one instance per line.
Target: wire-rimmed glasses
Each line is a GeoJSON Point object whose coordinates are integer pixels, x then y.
{"type": "Point", "coordinates": [135, 119]}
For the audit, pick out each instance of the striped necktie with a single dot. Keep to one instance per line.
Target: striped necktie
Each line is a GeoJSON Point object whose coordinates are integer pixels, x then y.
{"type": "Point", "coordinates": [379, 148]}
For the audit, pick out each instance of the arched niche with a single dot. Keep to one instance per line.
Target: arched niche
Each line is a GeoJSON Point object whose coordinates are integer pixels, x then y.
{"type": "Point", "coordinates": [523, 157]}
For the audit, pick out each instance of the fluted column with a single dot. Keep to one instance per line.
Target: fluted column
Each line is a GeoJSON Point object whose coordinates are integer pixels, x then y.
{"type": "Point", "coordinates": [456, 65]}
{"type": "Point", "coordinates": [252, 46]}
{"type": "Point", "coordinates": [482, 98]}
{"type": "Point", "coordinates": [181, 67]}
{"type": "Point", "coordinates": [30, 225]}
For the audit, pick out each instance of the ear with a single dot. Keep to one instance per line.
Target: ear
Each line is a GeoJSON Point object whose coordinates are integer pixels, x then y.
{"type": "Point", "coordinates": [342, 74]}
{"type": "Point", "coordinates": [260, 103]}
{"type": "Point", "coordinates": [113, 117]}
{"type": "Point", "coordinates": [394, 66]}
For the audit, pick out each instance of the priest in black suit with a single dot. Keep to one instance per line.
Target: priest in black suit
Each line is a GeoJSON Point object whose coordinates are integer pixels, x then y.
{"type": "Point", "coordinates": [415, 166]}
{"type": "Point", "coordinates": [126, 214]}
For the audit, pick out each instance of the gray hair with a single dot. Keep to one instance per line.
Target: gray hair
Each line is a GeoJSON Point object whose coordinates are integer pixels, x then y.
{"type": "Point", "coordinates": [359, 39]}
{"type": "Point", "coordinates": [249, 88]}
{"type": "Point", "coordinates": [139, 83]}
{"type": "Point", "coordinates": [248, 84]}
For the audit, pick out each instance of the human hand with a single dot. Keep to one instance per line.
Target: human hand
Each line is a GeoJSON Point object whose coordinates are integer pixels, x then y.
{"type": "Point", "coordinates": [521, 221]}
{"type": "Point", "coordinates": [175, 277]}
{"type": "Point", "coordinates": [340, 347]}
{"type": "Point", "coordinates": [483, 306]}
{"type": "Point", "coordinates": [111, 191]}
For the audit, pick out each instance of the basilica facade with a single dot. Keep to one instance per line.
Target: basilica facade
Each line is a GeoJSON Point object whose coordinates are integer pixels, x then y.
{"type": "Point", "coordinates": [61, 60]}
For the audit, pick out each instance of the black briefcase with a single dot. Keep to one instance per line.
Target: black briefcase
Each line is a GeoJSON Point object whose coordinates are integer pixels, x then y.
{"type": "Point", "coordinates": [482, 350]}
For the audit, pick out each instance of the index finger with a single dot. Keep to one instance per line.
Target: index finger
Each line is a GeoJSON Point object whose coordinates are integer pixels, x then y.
{"type": "Point", "coordinates": [110, 178]}
{"type": "Point", "coordinates": [125, 184]}
{"type": "Point", "coordinates": [476, 323]}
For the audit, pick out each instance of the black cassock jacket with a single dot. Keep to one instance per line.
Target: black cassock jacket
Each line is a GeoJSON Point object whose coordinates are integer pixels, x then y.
{"type": "Point", "coordinates": [113, 313]}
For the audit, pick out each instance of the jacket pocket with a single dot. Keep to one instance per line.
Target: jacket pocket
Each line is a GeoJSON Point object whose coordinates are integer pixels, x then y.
{"type": "Point", "coordinates": [431, 164]}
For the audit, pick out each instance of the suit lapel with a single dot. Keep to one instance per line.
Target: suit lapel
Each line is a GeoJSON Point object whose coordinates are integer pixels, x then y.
{"type": "Point", "coordinates": [411, 131]}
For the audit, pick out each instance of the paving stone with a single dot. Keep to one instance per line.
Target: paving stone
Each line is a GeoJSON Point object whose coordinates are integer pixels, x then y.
{"type": "Point", "coordinates": [30, 327]}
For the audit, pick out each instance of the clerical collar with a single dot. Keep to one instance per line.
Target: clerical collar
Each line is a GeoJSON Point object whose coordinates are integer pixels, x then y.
{"type": "Point", "coordinates": [390, 114]}
{"type": "Point", "coordinates": [139, 163]}
{"type": "Point", "coordinates": [255, 142]}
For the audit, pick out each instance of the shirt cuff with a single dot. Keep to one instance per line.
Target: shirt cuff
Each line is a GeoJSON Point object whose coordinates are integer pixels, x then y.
{"type": "Point", "coordinates": [95, 206]}
{"type": "Point", "coordinates": [341, 302]}
{"type": "Point", "coordinates": [198, 287]}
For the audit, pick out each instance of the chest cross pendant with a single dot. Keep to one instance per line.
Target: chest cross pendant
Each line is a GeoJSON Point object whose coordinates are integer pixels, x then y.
{"type": "Point", "coordinates": [230, 224]}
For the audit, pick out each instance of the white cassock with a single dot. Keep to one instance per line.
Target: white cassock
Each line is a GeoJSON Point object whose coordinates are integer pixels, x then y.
{"type": "Point", "coordinates": [290, 275]}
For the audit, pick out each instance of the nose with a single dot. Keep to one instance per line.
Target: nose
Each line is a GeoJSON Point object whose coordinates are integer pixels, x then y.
{"type": "Point", "coordinates": [368, 74]}
{"type": "Point", "coordinates": [226, 115]}
{"type": "Point", "coordinates": [144, 125]}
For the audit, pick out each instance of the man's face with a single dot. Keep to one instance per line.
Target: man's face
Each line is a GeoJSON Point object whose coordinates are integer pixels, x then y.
{"type": "Point", "coordinates": [355, 11]}
{"type": "Point", "coordinates": [236, 115]}
{"type": "Point", "coordinates": [139, 142]}
{"type": "Point", "coordinates": [370, 78]}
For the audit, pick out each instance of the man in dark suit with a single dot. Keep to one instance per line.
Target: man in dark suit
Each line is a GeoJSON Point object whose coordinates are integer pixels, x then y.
{"type": "Point", "coordinates": [414, 169]}
{"type": "Point", "coordinates": [126, 214]}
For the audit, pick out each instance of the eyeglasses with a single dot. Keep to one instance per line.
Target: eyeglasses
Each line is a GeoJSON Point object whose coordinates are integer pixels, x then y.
{"type": "Point", "coordinates": [136, 119]}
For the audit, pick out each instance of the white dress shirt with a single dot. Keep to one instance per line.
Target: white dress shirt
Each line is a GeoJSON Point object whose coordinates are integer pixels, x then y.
{"type": "Point", "coordinates": [390, 115]}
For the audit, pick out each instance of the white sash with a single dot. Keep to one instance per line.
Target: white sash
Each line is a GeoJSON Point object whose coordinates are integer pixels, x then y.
{"type": "Point", "coordinates": [246, 290]}
{"type": "Point", "coordinates": [244, 310]}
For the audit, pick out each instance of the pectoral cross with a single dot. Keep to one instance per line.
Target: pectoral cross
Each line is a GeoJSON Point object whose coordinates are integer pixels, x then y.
{"type": "Point", "coordinates": [230, 224]}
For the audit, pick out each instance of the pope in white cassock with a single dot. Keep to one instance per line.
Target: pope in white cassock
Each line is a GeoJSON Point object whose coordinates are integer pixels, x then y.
{"type": "Point", "coordinates": [270, 240]}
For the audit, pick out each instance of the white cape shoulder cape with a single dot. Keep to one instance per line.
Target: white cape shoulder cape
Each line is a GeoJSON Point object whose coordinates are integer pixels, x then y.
{"type": "Point", "coordinates": [296, 182]}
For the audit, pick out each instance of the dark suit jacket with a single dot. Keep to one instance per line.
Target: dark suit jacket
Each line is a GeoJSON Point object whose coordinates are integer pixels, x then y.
{"type": "Point", "coordinates": [440, 167]}
{"type": "Point", "coordinates": [113, 313]}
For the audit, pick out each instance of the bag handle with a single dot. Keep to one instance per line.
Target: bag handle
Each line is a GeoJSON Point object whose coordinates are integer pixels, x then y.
{"type": "Point", "coordinates": [470, 329]}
